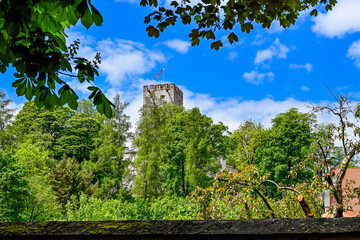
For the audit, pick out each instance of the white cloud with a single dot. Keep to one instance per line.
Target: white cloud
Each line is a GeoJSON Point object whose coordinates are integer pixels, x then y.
{"type": "Point", "coordinates": [121, 59]}
{"type": "Point", "coordinates": [129, 1]}
{"type": "Point", "coordinates": [233, 55]}
{"type": "Point", "coordinates": [178, 45]}
{"type": "Point", "coordinates": [343, 19]}
{"type": "Point", "coordinates": [233, 111]}
{"type": "Point", "coordinates": [77, 86]}
{"type": "Point", "coordinates": [255, 77]}
{"type": "Point", "coordinates": [275, 50]}
{"type": "Point", "coordinates": [275, 27]}
{"type": "Point", "coordinates": [259, 39]}
{"type": "Point", "coordinates": [354, 52]}
{"type": "Point", "coordinates": [263, 55]}
{"type": "Point", "coordinates": [305, 88]}
{"type": "Point", "coordinates": [308, 66]}
{"type": "Point", "coordinates": [280, 50]}
{"type": "Point", "coordinates": [17, 108]}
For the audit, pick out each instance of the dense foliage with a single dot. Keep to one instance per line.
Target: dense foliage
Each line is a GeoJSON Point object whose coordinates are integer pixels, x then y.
{"type": "Point", "coordinates": [33, 41]}
{"type": "Point", "coordinates": [76, 165]}
{"type": "Point", "coordinates": [209, 16]}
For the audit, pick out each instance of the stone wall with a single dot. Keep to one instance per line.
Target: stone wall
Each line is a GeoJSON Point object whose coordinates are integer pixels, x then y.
{"type": "Point", "coordinates": [261, 229]}
{"type": "Point", "coordinates": [167, 92]}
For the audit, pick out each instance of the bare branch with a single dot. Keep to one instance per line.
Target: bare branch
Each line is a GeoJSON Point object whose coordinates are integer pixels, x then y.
{"type": "Point", "coordinates": [265, 201]}
{"type": "Point", "coordinates": [305, 207]}
{"type": "Point", "coordinates": [281, 188]}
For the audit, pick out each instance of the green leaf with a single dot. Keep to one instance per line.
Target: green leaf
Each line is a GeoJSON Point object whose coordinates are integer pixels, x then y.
{"type": "Point", "coordinates": [72, 101]}
{"type": "Point", "coordinates": [62, 14]}
{"type": "Point", "coordinates": [2, 68]}
{"type": "Point", "coordinates": [97, 17]}
{"type": "Point", "coordinates": [100, 108]}
{"type": "Point", "coordinates": [186, 19]}
{"type": "Point", "coordinates": [174, 4]}
{"type": "Point", "coordinates": [197, 18]}
{"type": "Point", "coordinates": [71, 16]}
{"type": "Point", "coordinates": [87, 19]}
{"type": "Point", "coordinates": [143, 3]}
{"type": "Point", "coordinates": [97, 98]}
{"type": "Point", "coordinates": [51, 81]}
{"type": "Point", "coordinates": [328, 7]}
{"type": "Point", "coordinates": [20, 90]}
{"type": "Point", "coordinates": [195, 42]}
{"type": "Point", "coordinates": [92, 94]}
{"type": "Point", "coordinates": [60, 42]}
{"type": "Point", "coordinates": [91, 88]}
{"type": "Point", "coordinates": [314, 13]}
{"type": "Point", "coordinates": [17, 82]}
{"type": "Point", "coordinates": [216, 45]}
{"type": "Point", "coordinates": [152, 31]}
{"type": "Point", "coordinates": [247, 27]}
{"type": "Point", "coordinates": [3, 44]}
{"type": "Point", "coordinates": [29, 92]}
{"type": "Point", "coordinates": [233, 37]}
{"type": "Point", "coordinates": [107, 109]}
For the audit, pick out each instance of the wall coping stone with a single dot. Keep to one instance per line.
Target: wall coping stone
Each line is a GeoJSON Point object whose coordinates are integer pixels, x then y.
{"type": "Point", "coordinates": [243, 227]}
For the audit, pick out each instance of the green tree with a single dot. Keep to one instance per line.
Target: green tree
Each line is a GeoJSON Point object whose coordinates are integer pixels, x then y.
{"type": "Point", "coordinates": [33, 41]}
{"type": "Point", "coordinates": [77, 138]}
{"type": "Point", "coordinates": [37, 164]}
{"type": "Point", "coordinates": [32, 159]}
{"type": "Point", "coordinates": [150, 128]}
{"type": "Point", "coordinates": [33, 120]}
{"type": "Point", "coordinates": [190, 153]}
{"type": "Point", "coordinates": [286, 146]}
{"type": "Point", "coordinates": [245, 140]}
{"type": "Point", "coordinates": [110, 146]}
{"type": "Point", "coordinates": [350, 144]}
{"type": "Point", "coordinates": [14, 189]}
{"type": "Point", "coordinates": [69, 179]}
{"type": "Point", "coordinates": [6, 116]}
{"type": "Point", "coordinates": [87, 107]}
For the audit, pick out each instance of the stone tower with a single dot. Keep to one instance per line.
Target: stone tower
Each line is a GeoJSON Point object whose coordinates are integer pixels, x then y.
{"type": "Point", "coordinates": [167, 92]}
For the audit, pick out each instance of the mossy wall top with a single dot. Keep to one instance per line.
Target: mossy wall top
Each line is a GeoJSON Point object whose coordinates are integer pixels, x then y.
{"type": "Point", "coordinates": [344, 228]}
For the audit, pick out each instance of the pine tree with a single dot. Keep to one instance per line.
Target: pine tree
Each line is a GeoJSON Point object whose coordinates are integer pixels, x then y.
{"type": "Point", "coordinates": [110, 147]}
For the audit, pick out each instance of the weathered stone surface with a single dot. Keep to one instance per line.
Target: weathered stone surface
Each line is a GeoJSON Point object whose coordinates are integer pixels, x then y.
{"type": "Point", "coordinates": [318, 228]}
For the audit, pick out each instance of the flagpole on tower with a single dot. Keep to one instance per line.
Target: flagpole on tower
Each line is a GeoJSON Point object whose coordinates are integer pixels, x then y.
{"type": "Point", "coordinates": [159, 74]}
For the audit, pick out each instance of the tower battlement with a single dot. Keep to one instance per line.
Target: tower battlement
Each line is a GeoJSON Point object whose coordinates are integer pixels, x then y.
{"type": "Point", "coordinates": [168, 92]}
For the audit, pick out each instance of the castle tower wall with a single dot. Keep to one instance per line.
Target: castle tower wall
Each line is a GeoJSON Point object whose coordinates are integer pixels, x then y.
{"type": "Point", "coordinates": [168, 92]}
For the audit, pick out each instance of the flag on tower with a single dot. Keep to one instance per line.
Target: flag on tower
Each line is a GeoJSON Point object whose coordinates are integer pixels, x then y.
{"type": "Point", "coordinates": [159, 73]}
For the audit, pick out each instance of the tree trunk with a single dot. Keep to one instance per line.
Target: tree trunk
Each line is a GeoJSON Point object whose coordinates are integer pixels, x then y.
{"type": "Point", "coordinates": [338, 199]}
{"type": "Point", "coordinates": [305, 206]}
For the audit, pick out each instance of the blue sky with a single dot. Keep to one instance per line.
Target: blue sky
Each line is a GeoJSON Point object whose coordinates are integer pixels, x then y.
{"type": "Point", "coordinates": [267, 72]}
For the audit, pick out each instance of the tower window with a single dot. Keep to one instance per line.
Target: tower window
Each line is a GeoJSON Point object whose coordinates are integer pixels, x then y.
{"type": "Point", "coordinates": [162, 97]}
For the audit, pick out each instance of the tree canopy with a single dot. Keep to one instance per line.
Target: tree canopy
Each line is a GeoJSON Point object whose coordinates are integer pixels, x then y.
{"type": "Point", "coordinates": [74, 165]}
{"type": "Point", "coordinates": [33, 41]}
{"type": "Point", "coordinates": [286, 146]}
{"type": "Point", "coordinates": [208, 16]}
